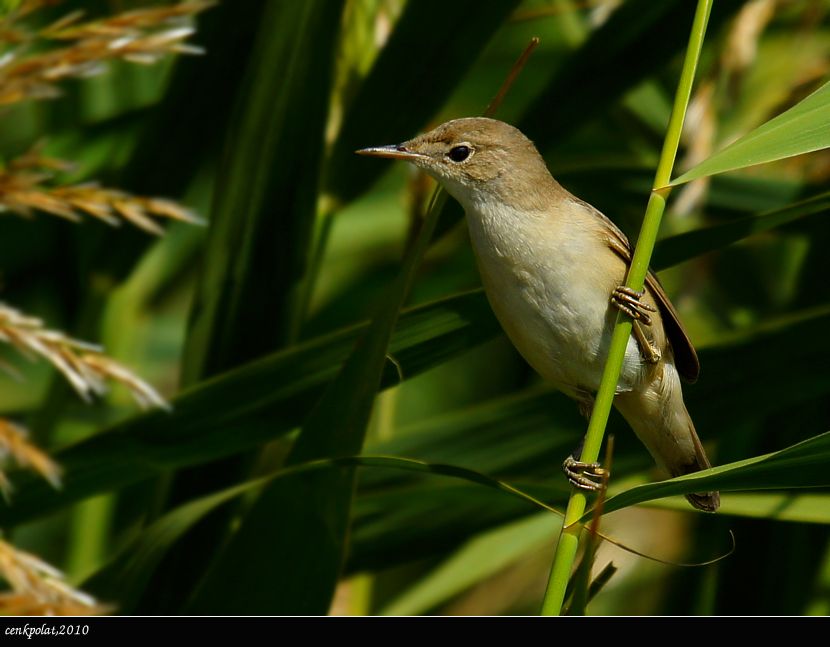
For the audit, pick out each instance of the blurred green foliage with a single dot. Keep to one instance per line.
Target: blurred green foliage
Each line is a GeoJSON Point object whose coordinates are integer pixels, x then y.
{"type": "Point", "coordinates": [245, 326]}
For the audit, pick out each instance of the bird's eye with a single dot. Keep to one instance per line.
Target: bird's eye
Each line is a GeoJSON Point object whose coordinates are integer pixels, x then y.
{"type": "Point", "coordinates": [459, 153]}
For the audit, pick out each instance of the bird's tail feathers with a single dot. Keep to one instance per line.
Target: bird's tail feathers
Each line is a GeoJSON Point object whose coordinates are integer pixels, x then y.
{"type": "Point", "coordinates": [658, 415]}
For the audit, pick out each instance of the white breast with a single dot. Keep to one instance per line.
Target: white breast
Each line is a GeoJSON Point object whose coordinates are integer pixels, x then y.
{"type": "Point", "coordinates": [548, 277]}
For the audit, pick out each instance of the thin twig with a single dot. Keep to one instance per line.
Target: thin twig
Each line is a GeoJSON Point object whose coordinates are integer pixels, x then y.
{"type": "Point", "coordinates": [518, 66]}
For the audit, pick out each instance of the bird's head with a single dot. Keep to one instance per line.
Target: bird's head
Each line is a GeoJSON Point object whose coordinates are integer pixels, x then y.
{"type": "Point", "coordinates": [475, 159]}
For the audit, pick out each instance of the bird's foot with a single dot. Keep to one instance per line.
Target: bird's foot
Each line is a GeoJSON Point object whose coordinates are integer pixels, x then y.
{"type": "Point", "coordinates": [585, 476]}
{"type": "Point", "coordinates": [628, 301]}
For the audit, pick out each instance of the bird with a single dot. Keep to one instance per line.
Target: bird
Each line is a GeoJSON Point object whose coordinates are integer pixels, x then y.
{"type": "Point", "coordinates": [553, 269]}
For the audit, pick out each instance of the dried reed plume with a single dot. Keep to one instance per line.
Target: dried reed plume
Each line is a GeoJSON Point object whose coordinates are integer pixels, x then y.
{"type": "Point", "coordinates": [24, 188]}
{"type": "Point", "coordinates": [83, 364]}
{"type": "Point", "coordinates": [30, 70]}
{"type": "Point", "coordinates": [15, 444]}
{"type": "Point", "coordinates": [40, 589]}
{"type": "Point", "coordinates": [142, 36]}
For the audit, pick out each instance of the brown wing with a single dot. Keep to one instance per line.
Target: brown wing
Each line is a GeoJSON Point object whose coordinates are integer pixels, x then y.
{"type": "Point", "coordinates": [685, 356]}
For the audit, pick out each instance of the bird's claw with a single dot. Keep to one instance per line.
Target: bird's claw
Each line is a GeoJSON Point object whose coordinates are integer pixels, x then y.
{"type": "Point", "coordinates": [628, 301]}
{"type": "Point", "coordinates": [585, 476]}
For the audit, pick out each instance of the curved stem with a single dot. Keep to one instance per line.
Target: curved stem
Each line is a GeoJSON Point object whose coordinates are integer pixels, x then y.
{"type": "Point", "coordinates": [568, 544]}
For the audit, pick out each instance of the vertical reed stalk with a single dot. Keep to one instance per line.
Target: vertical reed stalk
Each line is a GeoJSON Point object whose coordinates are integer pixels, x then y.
{"type": "Point", "coordinates": [568, 544]}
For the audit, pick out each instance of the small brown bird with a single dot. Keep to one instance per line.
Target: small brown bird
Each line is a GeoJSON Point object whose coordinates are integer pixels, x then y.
{"type": "Point", "coordinates": [553, 268]}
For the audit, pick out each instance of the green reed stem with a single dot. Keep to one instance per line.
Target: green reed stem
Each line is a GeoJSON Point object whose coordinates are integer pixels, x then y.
{"type": "Point", "coordinates": [568, 544]}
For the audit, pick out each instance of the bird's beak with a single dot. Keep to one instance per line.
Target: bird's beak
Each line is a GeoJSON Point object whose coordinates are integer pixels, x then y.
{"type": "Point", "coordinates": [393, 151]}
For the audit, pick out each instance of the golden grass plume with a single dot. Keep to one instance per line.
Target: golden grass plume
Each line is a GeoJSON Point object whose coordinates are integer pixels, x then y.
{"type": "Point", "coordinates": [25, 187]}
{"type": "Point", "coordinates": [140, 36]}
{"type": "Point", "coordinates": [84, 365]}
{"type": "Point", "coordinates": [15, 445]}
{"type": "Point", "coordinates": [37, 588]}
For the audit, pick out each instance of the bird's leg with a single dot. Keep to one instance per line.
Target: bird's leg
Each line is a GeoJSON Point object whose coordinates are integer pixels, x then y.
{"type": "Point", "coordinates": [585, 476]}
{"type": "Point", "coordinates": [585, 404]}
{"type": "Point", "coordinates": [649, 351]}
{"type": "Point", "coordinates": [628, 301]}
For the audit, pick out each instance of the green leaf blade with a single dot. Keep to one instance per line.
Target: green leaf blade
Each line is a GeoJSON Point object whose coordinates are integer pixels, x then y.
{"type": "Point", "coordinates": [804, 128]}
{"type": "Point", "coordinates": [803, 465]}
